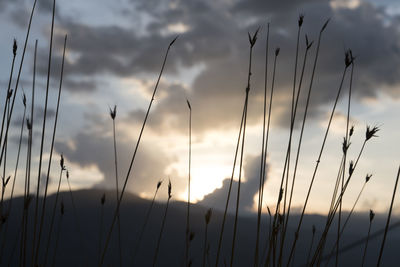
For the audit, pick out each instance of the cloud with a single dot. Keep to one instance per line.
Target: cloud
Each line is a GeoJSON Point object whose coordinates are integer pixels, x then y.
{"type": "Point", "coordinates": [215, 37]}
{"type": "Point", "coordinates": [94, 146]}
{"type": "Point", "coordinates": [248, 189]}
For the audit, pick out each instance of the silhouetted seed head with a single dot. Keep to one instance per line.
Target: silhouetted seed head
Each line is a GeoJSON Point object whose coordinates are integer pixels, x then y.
{"type": "Point", "coordinates": [15, 47]}
{"type": "Point", "coordinates": [371, 215]}
{"type": "Point", "coordinates": [313, 229]}
{"type": "Point", "coordinates": [301, 18]}
{"type": "Point", "coordinates": [113, 112]}
{"type": "Point", "coordinates": [159, 184]}
{"type": "Point", "coordinates": [9, 94]}
{"type": "Point", "coordinates": [308, 44]}
{"type": "Point", "coordinates": [188, 103]}
{"type": "Point", "coordinates": [345, 145]}
{"type": "Point", "coordinates": [280, 195]}
{"type": "Point", "coordinates": [169, 189]}
{"type": "Point", "coordinates": [367, 177]}
{"type": "Point", "coordinates": [67, 174]}
{"type": "Point", "coordinates": [191, 236]}
{"type": "Point", "coordinates": [103, 199]}
{"type": "Point", "coordinates": [62, 207]}
{"type": "Point", "coordinates": [208, 216]}
{"type": "Point", "coordinates": [62, 162]}
{"type": "Point", "coordinates": [24, 99]}
{"type": "Point", "coordinates": [28, 124]}
{"type": "Point", "coordinates": [348, 58]}
{"type": "Point", "coordinates": [269, 211]}
{"type": "Point", "coordinates": [351, 167]}
{"type": "Point", "coordinates": [351, 130]}
{"type": "Point", "coordinates": [5, 181]}
{"type": "Point", "coordinates": [277, 51]}
{"type": "Point", "coordinates": [173, 41]}
{"type": "Point", "coordinates": [325, 24]}
{"type": "Point", "coordinates": [253, 39]}
{"type": "Point", "coordinates": [371, 132]}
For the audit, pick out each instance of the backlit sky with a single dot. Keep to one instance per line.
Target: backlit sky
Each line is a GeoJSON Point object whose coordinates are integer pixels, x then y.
{"type": "Point", "coordinates": [115, 51]}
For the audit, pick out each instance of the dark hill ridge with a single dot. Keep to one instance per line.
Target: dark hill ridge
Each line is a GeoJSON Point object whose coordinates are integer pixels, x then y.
{"type": "Point", "coordinates": [79, 245]}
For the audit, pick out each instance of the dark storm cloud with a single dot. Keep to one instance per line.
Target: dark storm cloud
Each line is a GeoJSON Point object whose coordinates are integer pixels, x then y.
{"type": "Point", "coordinates": [216, 38]}
{"type": "Point", "coordinates": [248, 189]}
{"type": "Point", "coordinates": [218, 92]}
{"type": "Point", "coordinates": [43, 6]}
{"type": "Point", "coordinates": [95, 147]}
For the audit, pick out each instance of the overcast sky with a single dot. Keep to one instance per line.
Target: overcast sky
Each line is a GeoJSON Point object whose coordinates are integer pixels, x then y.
{"type": "Point", "coordinates": [114, 53]}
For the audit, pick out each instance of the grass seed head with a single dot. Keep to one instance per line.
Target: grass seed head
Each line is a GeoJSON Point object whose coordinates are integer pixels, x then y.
{"type": "Point", "coordinates": [371, 215]}
{"type": "Point", "coordinates": [169, 189]}
{"type": "Point", "coordinates": [159, 184]}
{"type": "Point", "coordinates": [325, 24]}
{"type": "Point", "coordinates": [113, 112]}
{"type": "Point", "coordinates": [253, 39]}
{"type": "Point", "coordinates": [348, 58]}
{"type": "Point", "coordinates": [5, 181]}
{"type": "Point", "coordinates": [301, 19]}
{"type": "Point", "coordinates": [173, 41]}
{"type": "Point", "coordinates": [280, 195]}
{"type": "Point", "coordinates": [351, 168]}
{"type": "Point", "coordinates": [351, 130]}
{"type": "Point", "coordinates": [269, 211]}
{"type": "Point", "coordinates": [9, 93]}
{"type": "Point", "coordinates": [371, 132]}
{"type": "Point", "coordinates": [188, 103]}
{"type": "Point", "coordinates": [28, 124]}
{"type": "Point", "coordinates": [345, 145]}
{"type": "Point", "coordinates": [308, 43]}
{"type": "Point", "coordinates": [67, 174]}
{"type": "Point", "coordinates": [277, 51]}
{"type": "Point", "coordinates": [15, 47]}
{"type": "Point", "coordinates": [367, 177]}
{"type": "Point", "coordinates": [24, 99]}
{"type": "Point", "coordinates": [62, 162]}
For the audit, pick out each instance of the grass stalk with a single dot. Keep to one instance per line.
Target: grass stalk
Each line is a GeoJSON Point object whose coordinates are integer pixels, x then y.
{"type": "Point", "coordinates": [348, 60]}
{"type": "Point", "coordinates": [370, 132]}
{"type": "Point", "coordinates": [162, 224]}
{"type": "Point", "coordinates": [102, 201]}
{"type": "Point", "coordinates": [268, 124]}
{"type": "Point", "coordinates": [134, 155]}
{"type": "Point", "coordinates": [53, 215]}
{"type": "Point", "coordinates": [371, 218]}
{"type": "Point", "coordinates": [51, 152]}
{"type": "Point", "coordinates": [252, 40]}
{"type": "Point", "coordinates": [143, 228]}
{"type": "Point", "coordinates": [221, 233]}
{"type": "Point", "coordinates": [388, 220]}
{"type": "Point", "coordinates": [113, 113]}
{"type": "Point", "coordinates": [58, 234]}
{"type": "Point", "coordinates": [263, 158]}
{"type": "Point", "coordinates": [18, 79]}
{"type": "Point", "coordinates": [207, 219]}
{"type": "Point", "coordinates": [14, 180]}
{"type": "Point", "coordinates": [34, 245]}
{"type": "Point", "coordinates": [187, 243]}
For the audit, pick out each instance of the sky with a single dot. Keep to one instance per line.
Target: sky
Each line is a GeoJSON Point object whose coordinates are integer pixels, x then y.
{"type": "Point", "coordinates": [114, 54]}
